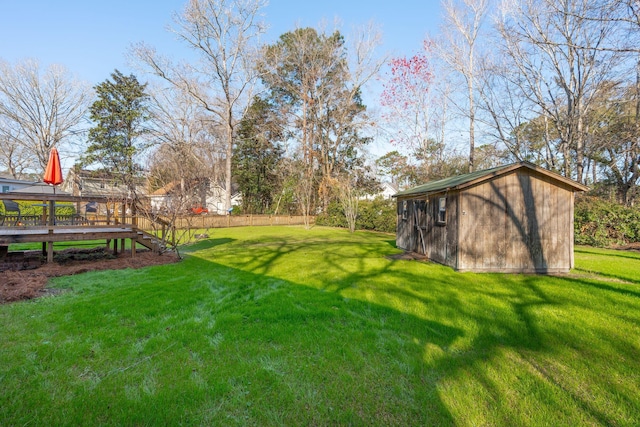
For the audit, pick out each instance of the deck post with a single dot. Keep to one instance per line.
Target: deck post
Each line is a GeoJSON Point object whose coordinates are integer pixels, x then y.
{"type": "Point", "coordinates": [133, 248]}
{"type": "Point", "coordinates": [52, 212]}
{"type": "Point", "coordinates": [50, 246]}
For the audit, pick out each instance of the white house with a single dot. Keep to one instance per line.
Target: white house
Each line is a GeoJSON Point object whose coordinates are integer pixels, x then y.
{"type": "Point", "coordinates": [387, 190]}
{"type": "Point", "coordinates": [213, 199]}
{"type": "Point", "coordinates": [216, 199]}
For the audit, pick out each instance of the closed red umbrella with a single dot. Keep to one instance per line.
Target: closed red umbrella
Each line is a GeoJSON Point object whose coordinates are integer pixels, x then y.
{"type": "Point", "coordinates": [53, 173]}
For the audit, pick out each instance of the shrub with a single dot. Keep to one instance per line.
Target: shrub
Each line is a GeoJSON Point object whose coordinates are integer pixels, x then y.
{"type": "Point", "coordinates": [334, 217]}
{"type": "Point", "coordinates": [377, 215]}
{"type": "Point", "coordinates": [603, 223]}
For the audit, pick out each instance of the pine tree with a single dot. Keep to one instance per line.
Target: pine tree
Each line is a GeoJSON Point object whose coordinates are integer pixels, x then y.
{"type": "Point", "coordinates": [119, 115]}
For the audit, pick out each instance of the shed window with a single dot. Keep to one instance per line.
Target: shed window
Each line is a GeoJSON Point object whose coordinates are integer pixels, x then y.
{"type": "Point", "coordinates": [404, 210]}
{"type": "Point", "coordinates": [442, 210]}
{"type": "Point", "coordinates": [5, 189]}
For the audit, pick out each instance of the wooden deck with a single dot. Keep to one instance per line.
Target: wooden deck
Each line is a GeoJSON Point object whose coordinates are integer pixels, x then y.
{"type": "Point", "coordinates": [50, 234]}
{"type": "Point", "coordinates": [55, 231]}
{"type": "Point", "coordinates": [9, 235]}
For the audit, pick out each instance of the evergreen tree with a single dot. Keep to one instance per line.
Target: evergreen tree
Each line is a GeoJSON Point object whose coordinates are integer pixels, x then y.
{"type": "Point", "coordinates": [257, 157]}
{"type": "Point", "coordinates": [119, 115]}
{"type": "Point", "coordinates": [309, 80]}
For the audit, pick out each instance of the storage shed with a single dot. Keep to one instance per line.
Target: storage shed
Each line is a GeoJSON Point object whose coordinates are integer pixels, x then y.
{"type": "Point", "coordinates": [512, 218]}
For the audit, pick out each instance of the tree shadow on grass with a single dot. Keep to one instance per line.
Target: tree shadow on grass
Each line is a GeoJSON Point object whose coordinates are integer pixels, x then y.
{"type": "Point", "coordinates": [604, 287]}
{"type": "Point", "coordinates": [357, 350]}
{"type": "Point", "coordinates": [503, 318]}
{"type": "Point", "coordinates": [271, 352]}
{"type": "Point", "coordinates": [619, 254]}
{"type": "Point", "coordinates": [207, 244]}
{"type": "Point", "coordinates": [391, 243]}
{"type": "Point", "coordinates": [355, 362]}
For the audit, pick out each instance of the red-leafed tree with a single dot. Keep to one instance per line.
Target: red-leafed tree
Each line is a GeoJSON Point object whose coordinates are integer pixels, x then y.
{"type": "Point", "coordinates": [413, 110]}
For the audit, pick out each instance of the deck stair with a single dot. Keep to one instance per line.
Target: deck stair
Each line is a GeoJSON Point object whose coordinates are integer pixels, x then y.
{"type": "Point", "coordinates": [150, 241]}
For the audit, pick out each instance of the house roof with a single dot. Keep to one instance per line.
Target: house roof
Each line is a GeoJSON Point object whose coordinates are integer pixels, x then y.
{"type": "Point", "coordinates": [40, 188]}
{"type": "Point", "coordinates": [6, 180]}
{"type": "Point", "coordinates": [461, 181]}
{"type": "Point", "coordinates": [165, 190]}
{"type": "Point", "coordinates": [390, 186]}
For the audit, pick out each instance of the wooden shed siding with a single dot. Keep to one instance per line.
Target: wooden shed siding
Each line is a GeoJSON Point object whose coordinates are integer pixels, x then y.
{"type": "Point", "coordinates": [436, 234]}
{"type": "Point", "coordinates": [451, 237]}
{"type": "Point", "coordinates": [516, 222]}
{"type": "Point", "coordinates": [404, 232]}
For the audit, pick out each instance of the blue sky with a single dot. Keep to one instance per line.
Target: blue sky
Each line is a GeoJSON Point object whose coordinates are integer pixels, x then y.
{"type": "Point", "coordinates": [91, 37]}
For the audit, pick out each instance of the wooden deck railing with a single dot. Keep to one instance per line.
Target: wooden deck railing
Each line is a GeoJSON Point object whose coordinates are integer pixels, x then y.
{"type": "Point", "coordinates": [37, 220]}
{"type": "Point", "coordinates": [144, 223]}
{"type": "Point", "coordinates": [219, 221]}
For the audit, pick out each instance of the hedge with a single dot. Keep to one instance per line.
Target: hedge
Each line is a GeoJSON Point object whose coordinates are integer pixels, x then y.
{"type": "Point", "coordinates": [605, 223]}
{"type": "Point", "coordinates": [378, 215]}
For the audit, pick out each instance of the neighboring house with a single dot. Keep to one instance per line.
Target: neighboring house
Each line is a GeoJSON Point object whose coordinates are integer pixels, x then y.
{"type": "Point", "coordinates": [211, 197]}
{"type": "Point", "coordinates": [513, 218]}
{"type": "Point", "coordinates": [88, 183]}
{"type": "Point", "coordinates": [8, 184]}
{"type": "Point", "coordinates": [216, 199]}
{"type": "Point", "coordinates": [387, 191]}
{"type": "Point", "coordinates": [40, 188]}
{"type": "Point", "coordinates": [163, 198]}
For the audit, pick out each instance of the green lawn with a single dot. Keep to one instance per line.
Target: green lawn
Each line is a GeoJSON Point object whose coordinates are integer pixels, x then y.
{"type": "Point", "coordinates": [286, 326]}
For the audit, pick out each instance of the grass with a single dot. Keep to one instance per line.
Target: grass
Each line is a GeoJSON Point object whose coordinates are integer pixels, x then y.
{"type": "Point", "coordinates": [286, 326]}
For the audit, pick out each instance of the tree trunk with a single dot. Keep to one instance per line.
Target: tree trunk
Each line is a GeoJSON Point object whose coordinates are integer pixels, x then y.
{"type": "Point", "coordinates": [472, 119]}
{"type": "Point", "coordinates": [228, 163]}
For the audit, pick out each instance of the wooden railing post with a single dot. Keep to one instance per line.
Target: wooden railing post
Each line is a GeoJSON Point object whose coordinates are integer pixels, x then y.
{"type": "Point", "coordinates": [50, 246]}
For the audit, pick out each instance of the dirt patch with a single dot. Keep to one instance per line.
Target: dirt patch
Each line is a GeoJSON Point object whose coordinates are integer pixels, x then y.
{"type": "Point", "coordinates": [630, 247]}
{"type": "Point", "coordinates": [407, 256]}
{"type": "Point", "coordinates": [28, 284]}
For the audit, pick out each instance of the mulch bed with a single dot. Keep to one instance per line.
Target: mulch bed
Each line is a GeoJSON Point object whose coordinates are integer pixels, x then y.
{"type": "Point", "coordinates": [28, 284]}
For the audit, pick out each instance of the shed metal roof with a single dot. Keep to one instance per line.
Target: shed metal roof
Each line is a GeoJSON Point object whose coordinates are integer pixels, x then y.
{"type": "Point", "coordinates": [460, 181]}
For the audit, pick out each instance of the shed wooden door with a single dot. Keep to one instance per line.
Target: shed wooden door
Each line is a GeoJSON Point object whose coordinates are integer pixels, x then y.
{"type": "Point", "coordinates": [420, 226]}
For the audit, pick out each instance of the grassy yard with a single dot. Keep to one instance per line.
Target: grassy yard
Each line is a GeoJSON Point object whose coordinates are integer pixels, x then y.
{"type": "Point", "coordinates": [286, 326]}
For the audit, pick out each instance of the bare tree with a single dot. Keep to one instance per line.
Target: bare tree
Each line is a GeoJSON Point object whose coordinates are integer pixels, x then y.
{"type": "Point", "coordinates": [181, 131]}
{"type": "Point", "coordinates": [458, 49]}
{"type": "Point", "coordinates": [349, 198]}
{"type": "Point", "coordinates": [509, 116]}
{"type": "Point", "coordinates": [13, 157]}
{"type": "Point", "coordinates": [224, 34]}
{"type": "Point", "coordinates": [40, 110]}
{"type": "Point", "coordinates": [560, 65]}
{"type": "Point", "coordinates": [180, 165]}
